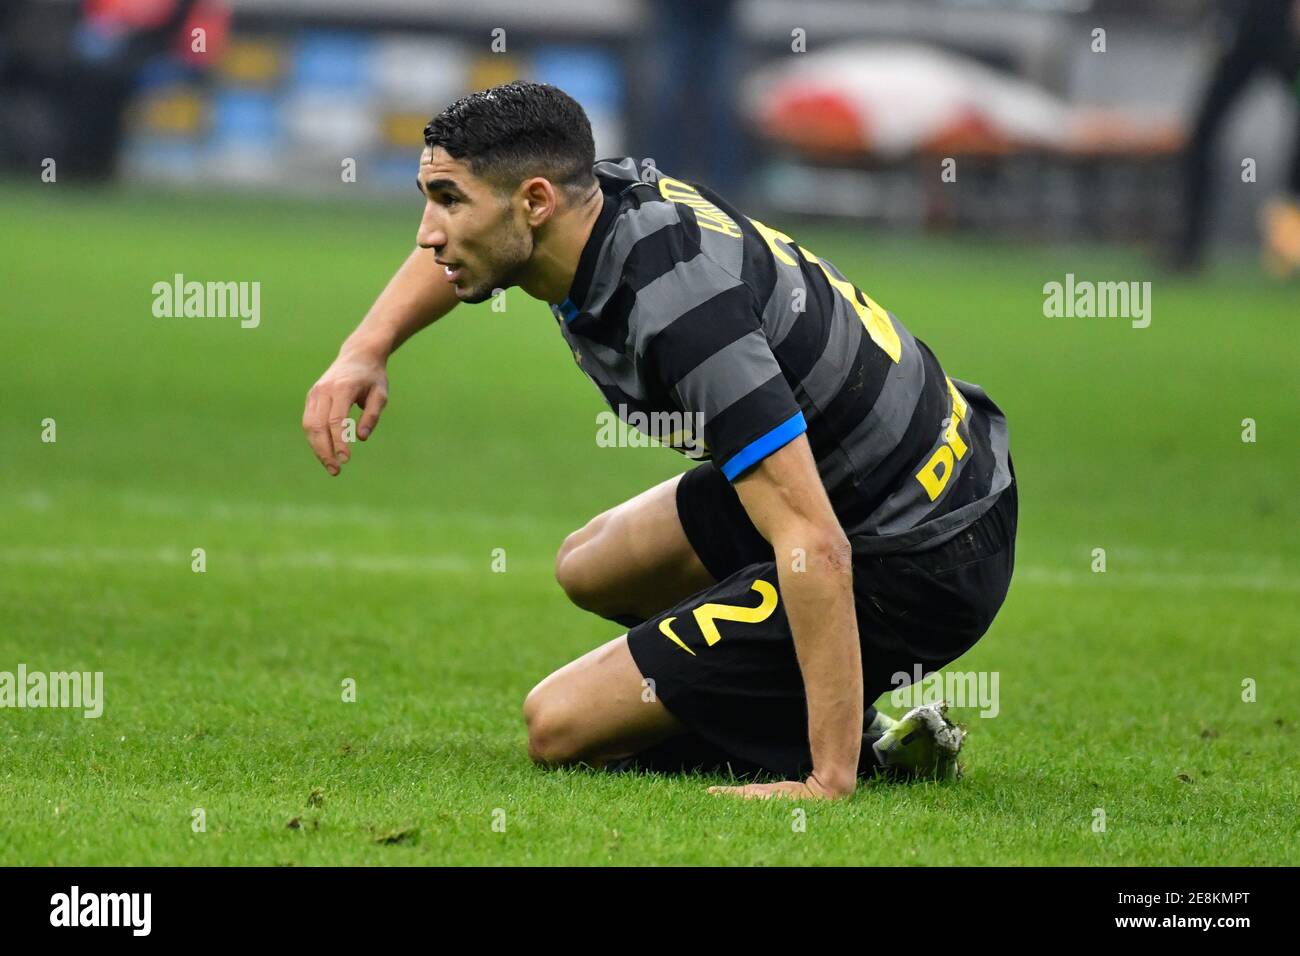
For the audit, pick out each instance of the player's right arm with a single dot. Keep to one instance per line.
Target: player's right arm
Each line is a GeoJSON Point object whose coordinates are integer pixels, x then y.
{"type": "Point", "coordinates": [416, 297]}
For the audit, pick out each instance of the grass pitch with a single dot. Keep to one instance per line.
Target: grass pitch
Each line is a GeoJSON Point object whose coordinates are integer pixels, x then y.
{"type": "Point", "coordinates": [1119, 691]}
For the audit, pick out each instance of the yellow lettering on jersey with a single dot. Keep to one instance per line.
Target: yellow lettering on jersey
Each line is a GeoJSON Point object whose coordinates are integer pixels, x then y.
{"type": "Point", "coordinates": [878, 324]}
{"type": "Point", "coordinates": [952, 436]}
{"type": "Point", "coordinates": [770, 236]}
{"type": "Point", "coordinates": [958, 400]}
{"type": "Point", "coordinates": [707, 214]}
{"type": "Point", "coordinates": [931, 478]}
{"type": "Point", "coordinates": [946, 455]}
{"type": "Point", "coordinates": [954, 439]}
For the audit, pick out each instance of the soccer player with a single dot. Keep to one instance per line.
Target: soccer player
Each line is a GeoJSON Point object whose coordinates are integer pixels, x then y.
{"type": "Point", "coordinates": [856, 518]}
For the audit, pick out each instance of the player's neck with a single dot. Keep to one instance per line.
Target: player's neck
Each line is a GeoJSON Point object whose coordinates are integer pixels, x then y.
{"type": "Point", "coordinates": [558, 248]}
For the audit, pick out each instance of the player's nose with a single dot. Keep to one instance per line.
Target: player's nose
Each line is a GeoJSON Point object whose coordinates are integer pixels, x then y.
{"type": "Point", "coordinates": [431, 235]}
{"type": "Point", "coordinates": [433, 239]}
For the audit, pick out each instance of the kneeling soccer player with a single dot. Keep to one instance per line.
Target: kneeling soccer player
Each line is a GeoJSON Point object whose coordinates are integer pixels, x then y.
{"type": "Point", "coordinates": [857, 515]}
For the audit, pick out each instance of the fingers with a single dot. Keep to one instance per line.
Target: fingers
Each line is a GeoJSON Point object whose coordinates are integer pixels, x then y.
{"type": "Point", "coordinates": [315, 425]}
{"type": "Point", "coordinates": [326, 420]}
{"type": "Point", "coordinates": [790, 789]}
{"type": "Point", "coordinates": [375, 403]}
{"type": "Point", "coordinates": [749, 792]}
{"type": "Point", "coordinates": [338, 414]}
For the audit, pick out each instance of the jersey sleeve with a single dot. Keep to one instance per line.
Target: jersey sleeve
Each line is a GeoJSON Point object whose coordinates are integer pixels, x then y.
{"type": "Point", "coordinates": [714, 362]}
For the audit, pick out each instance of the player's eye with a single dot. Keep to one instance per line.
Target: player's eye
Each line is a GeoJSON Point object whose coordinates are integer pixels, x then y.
{"type": "Point", "coordinates": [448, 201]}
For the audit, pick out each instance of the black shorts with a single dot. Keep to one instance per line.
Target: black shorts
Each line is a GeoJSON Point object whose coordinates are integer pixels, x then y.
{"type": "Point", "coordinates": [731, 674]}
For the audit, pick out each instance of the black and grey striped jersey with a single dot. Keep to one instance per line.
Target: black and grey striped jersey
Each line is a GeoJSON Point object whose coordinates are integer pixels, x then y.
{"type": "Point", "coordinates": [686, 312]}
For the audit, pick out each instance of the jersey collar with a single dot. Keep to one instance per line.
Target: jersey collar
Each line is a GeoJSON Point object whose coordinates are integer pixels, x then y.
{"type": "Point", "coordinates": [572, 305]}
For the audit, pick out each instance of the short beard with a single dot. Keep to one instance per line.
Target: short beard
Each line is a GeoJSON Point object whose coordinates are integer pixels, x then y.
{"type": "Point", "coordinates": [479, 293]}
{"type": "Point", "coordinates": [507, 273]}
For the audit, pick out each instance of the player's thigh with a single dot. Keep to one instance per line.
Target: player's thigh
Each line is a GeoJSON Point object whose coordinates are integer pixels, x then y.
{"type": "Point", "coordinates": [635, 557]}
{"type": "Point", "coordinates": [595, 709]}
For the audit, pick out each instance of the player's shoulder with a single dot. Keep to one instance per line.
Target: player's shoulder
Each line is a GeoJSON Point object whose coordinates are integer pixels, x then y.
{"type": "Point", "coordinates": [648, 233]}
{"type": "Point", "coordinates": [661, 220]}
{"type": "Point", "coordinates": [641, 208]}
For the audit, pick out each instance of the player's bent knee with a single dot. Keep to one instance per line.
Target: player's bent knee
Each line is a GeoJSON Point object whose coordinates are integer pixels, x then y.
{"type": "Point", "coordinates": [578, 575]}
{"type": "Point", "coordinates": [570, 544]}
{"type": "Point", "coordinates": [547, 749]}
{"type": "Point", "coordinates": [550, 742]}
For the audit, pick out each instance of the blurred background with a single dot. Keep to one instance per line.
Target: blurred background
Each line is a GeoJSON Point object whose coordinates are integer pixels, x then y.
{"type": "Point", "coordinates": [1067, 119]}
{"type": "Point", "coordinates": [952, 158]}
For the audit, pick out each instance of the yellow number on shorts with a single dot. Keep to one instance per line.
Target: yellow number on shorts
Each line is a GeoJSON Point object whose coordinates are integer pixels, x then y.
{"type": "Point", "coordinates": [707, 614]}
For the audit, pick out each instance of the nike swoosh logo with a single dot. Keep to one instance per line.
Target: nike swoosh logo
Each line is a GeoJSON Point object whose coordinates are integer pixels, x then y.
{"type": "Point", "coordinates": [666, 628]}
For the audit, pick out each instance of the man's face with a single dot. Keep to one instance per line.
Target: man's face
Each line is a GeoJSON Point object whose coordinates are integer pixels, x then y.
{"type": "Point", "coordinates": [478, 235]}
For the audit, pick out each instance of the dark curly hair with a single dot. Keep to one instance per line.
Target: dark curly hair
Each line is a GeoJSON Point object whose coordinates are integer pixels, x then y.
{"type": "Point", "coordinates": [507, 133]}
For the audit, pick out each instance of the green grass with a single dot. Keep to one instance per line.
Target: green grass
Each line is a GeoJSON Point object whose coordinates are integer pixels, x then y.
{"type": "Point", "coordinates": [223, 689]}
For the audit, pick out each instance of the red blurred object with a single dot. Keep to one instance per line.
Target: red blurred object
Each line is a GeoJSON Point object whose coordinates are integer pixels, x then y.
{"type": "Point", "coordinates": [893, 100]}
{"type": "Point", "coordinates": [210, 16]}
{"type": "Point", "coordinates": [968, 132]}
{"type": "Point", "coordinates": [132, 14]}
{"type": "Point", "coordinates": [816, 120]}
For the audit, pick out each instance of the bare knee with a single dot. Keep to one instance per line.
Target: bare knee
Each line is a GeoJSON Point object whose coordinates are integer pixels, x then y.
{"type": "Point", "coordinates": [550, 741]}
{"type": "Point", "coordinates": [578, 571]}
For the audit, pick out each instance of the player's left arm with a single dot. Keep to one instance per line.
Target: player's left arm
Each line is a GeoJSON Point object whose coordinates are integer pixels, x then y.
{"type": "Point", "coordinates": [715, 362]}
{"type": "Point", "coordinates": [784, 497]}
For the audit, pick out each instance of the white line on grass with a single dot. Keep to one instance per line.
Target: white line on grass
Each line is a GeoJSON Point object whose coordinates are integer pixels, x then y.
{"type": "Point", "coordinates": [1035, 575]}
{"type": "Point", "coordinates": [279, 560]}
{"type": "Point", "coordinates": [288, 512]}
{"type": "Point", "coordinates": [1254, 571]}
{"type": "Point", "coordinates": [1157, 580]}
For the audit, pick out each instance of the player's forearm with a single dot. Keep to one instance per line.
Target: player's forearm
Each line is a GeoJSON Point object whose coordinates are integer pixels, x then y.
{"type": "Point", "coordinates": [416, 297]}
{"type": "Point", "coordinates": [819, 605]}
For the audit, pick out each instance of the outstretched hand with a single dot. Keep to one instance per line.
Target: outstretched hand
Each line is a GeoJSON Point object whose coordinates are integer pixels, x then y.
{"type": "Point", "coordinates": [810, 789]}
{"type": "Point", "coordinates": [351, 380]}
